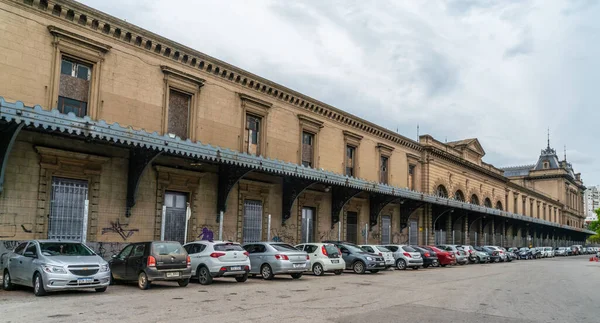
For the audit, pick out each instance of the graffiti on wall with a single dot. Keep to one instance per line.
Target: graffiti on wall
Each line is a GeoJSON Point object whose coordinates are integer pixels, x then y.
{"type": "Point", "coordinates": [106, 249]}
{"type": "Point", "coordinates": [399, 238]}
{"type": "Point", "coordinates": [8, 225]}
{"type": "Point", "coordinates": [287, 233]}
{"type": "Point", "coordinates": [211, 232]}
{"type": "Point", "coordinates": [120, 229]}
{"type": "Point", "coordinates": [331, 234]}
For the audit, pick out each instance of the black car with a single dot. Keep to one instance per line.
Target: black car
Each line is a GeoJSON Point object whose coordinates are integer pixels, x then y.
{"type": "Point", "coordinates": [525, 253]}
{"type": "Point", "coordinates": [536, 253]}
{"type": "Point", "coordinates": [430, 258]}
{"type": "Point", "coordinates": [146, 262]}
{"type": "Point", "coordinates": [493, 254]}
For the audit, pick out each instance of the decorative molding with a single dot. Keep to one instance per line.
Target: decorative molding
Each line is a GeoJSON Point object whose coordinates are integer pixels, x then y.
{"type": "Point", "coordinates": [79, 39]}
{"type": "Point", "coordinates": [183, 75]}
{"type": "Point", "coordinates": [309, 123]}
{"type": "Point", "coordinates": [255, 101]}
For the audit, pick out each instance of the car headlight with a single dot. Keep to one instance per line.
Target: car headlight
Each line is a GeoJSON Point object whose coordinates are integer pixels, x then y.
{"type": "Point", "coordinates": [54, 269]}
{"type": "Point", "coordinates": [369, 258]}
{"type": "Point", "coordinates": [104, 268]}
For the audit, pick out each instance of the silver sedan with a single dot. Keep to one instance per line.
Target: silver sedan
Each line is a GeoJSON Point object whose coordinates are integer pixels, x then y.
{"type": "Point", "coordinates": [271, 258]}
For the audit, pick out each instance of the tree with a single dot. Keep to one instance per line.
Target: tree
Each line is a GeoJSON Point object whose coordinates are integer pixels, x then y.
{"type": "Point", "coordinates": [595, 226]}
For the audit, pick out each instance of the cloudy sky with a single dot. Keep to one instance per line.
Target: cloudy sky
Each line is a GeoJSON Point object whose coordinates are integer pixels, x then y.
{"type": "Point", "coordinates": [501, 71]}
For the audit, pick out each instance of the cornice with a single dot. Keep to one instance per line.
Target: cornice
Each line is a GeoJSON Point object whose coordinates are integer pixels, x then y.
{"type": "Point", "coordinates": [61, 33]}
{"type": "Point", "coordinates": [119, 30]}
{"type": "Point", "coordinates": [186, 76]}
{"type": "Point", "coordinates": [462, 162]}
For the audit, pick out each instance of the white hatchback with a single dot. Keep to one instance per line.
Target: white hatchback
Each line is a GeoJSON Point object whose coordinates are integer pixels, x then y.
{"type": "Point", "coordinates": [387, 255]}
{"type": "Point", "coordinates": [211, 259]}
{"type": "Point", "coordinates": [324, 257]}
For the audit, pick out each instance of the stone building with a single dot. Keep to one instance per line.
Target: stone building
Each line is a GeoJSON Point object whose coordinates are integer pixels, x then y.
{"type": "Point", "coordinates": [113, 134]}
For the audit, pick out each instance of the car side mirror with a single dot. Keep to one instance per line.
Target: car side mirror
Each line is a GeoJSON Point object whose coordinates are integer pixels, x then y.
{"type": "Point", "coordinates": [30, 254]}
{"type": "Point", "coordinates": [114, 256]}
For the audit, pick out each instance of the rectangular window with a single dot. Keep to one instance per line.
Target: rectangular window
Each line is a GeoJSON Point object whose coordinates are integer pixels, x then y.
{"type": "Point", "coordinates": [350, 160]}
{"type": "Point", "coordinates": [174, 219]}
{"type": "Point", "coordinates": [178, 113]}
{"type": "Point", "coordinates": [516, 205]}
{"type": "Point", "coordinates": [413, 232]}
{"type": "Point", "coordinates": [411, 177]}
{"type": "Point", "coordinates": [308, 224]}
{"type": "Point", "coordinates": [383, 169]}
{"type": "Point", "coordinates": [252, 135]}
{"type": "Point", "coordinates": [68, 217]}
{"type": "Point", "coordinates": [74, 87]}
{"type": "Point", "coordinates": [252, 227]}
{"type": "Point", "coordinates": [524, 207]}
{"type": "Point", "coordinates": [308, 140]}
{"type": "Point", "coordinates": [386, 228]}
{"type": "Point", "coordinates": [352, 227]}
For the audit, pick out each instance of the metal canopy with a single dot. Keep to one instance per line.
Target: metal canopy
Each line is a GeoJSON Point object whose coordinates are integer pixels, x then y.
{"type": "Point", "coordinates": [54, 121]}
{"type": "Point", "coordinates": [340, 195]}
{"type": "Point", "coordinates": [8, 135]}
{"type": "Point", "coordinates": [407, 208]}
{"type": "Point", "coordinates": [376, 203]}
{"type": "Point", "coordinates": [139, 159]}
{"type": "Point", "coordinates": [229, 175]}
{"type": "Point", "coordinates": [292, 188]}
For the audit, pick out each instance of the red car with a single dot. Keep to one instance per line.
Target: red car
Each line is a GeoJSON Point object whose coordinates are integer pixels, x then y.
{"type": "Point", "coordinates": [444, 257]}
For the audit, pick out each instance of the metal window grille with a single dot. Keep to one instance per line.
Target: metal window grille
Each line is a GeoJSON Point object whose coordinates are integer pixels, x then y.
{"type": "Point", "coordinates": [175, 216]}
{"type": "Point", "coordinates": [252, 227]}
{"type": "Point", "coordinates": [352, 227]}
{"type": "Point", "coordinates": [308, 220]}
{"type": "Point", "coordinates": [413, 234]}
{"type": "Point", "coordinates": [440, 236]}
{"type": "Point", "coordinates": [68, 210]}
{"type": "Point", "coordinates": [386, 228]}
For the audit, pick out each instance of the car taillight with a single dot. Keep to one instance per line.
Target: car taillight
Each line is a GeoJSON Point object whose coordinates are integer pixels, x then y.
{"type": "Point", "coordinates": [458, 252]}
{"type": "Point", "coordinates": [246, 254]}
{"type": "Point", "coordinates": [406, 254]}
{"type": "Point", "coordinates": [189, 261]}
{"type": "Point", "coordinates": [324, 250]}
{"type": "Point", "coordinates": [151, 261]}
{"type": "Point", "coordinates": [281, 257]}
{"type": "Point", "coordinates": [427, 254]}
{"type": "Point", "coordinates": [217, 254]}
{"type": "Point", "coordinates": [470, 251]}
{"type": "Point", "coordinates": [307, 257]}
{"type": "Point", "coordinates": [381, 254]}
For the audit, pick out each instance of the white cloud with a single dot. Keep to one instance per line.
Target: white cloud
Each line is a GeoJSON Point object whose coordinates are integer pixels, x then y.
{"type": "Point", "coordinates": [502, 71]}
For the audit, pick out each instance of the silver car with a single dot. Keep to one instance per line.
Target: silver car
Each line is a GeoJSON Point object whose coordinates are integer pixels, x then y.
{"type": "Point", "coordinates": [50, 266]}
{"type": "Point", "coordinates": [405, 256]}
{"type": "Point", "coordinates": [272, 258]}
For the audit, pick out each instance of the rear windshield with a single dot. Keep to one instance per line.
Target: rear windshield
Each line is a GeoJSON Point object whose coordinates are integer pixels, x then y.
{"type": "Point", "coordinates": [408, 249]}
{"type": "Point", "coordinates": [383, 249]}
{"type": "Point", "coordinates": [167, 248]}
{"type": "Point", "coordinates": [64, 249]}
{"type": "Point", "coordinates": [392, 248]}
{"type": "Point", "coordinates": [228, 247]}
{"type": "Point", "coordinates": [283, 247]}
{"type": "Point", "coordinates": [331, 249]}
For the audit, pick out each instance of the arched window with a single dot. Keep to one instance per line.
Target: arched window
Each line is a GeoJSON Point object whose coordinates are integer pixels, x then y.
{"type": "Point", "coordinates": [474, 199]}
{"type": "Point", "coordinates": [458, 195]}
{"type": "Point", "coordinates": [487, 202]}
{"type": "Point", "coordinates": [499, 205]}
{"type": "Point", "coordinates": [441, 191]}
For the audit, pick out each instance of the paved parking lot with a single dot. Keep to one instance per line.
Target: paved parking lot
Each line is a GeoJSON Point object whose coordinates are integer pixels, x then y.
{"type": "Point", "coordinates": [545, 290]}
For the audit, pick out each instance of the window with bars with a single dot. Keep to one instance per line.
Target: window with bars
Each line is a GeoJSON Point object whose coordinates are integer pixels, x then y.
{"type": "Point", "coordinates": [252, 135]}
{"type": "Point", "coordinates": [308, 140]}
{"type": "Point", "coordinates": [386, 229]}
{"type": "Point", "coordinates": [350, 160]}
{"type": "Point", "coordinates": [352, 227]}
{"type": "Point", "coordinates": [383, 169]}
{"type": "Point", "coordinates": [68, 213]}
{"type": "Point", "coordinates": [74, 87]}
{"type": "Point", "coordinates": [308, 225]}
{"type": "Point", "coordinates": [252, 226]}
{"type": "Point", "coordinates": [178, 113]}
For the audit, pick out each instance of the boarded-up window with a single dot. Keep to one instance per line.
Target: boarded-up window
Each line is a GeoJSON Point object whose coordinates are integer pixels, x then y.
{"type": "Point", "coordinates": [411, 177]}
{"type": "Point", "coordinates": [350, 160]}
{"type": "Point", "coordinates": [74, 87]}
{"type": "Point", "coordinates": [383, 169]}
{"type": "Point", "coordinates": [179, 111]}
{"type": "Point", "coordinates": [308, 140]}
{"type": "Point", "coordinates": [252, 136]}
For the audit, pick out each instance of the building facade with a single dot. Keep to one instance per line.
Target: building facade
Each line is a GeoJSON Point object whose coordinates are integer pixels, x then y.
{"type": "Point", "coordinates": [112, 134]}
{"type": "Point", "coordinates": [592, 203]}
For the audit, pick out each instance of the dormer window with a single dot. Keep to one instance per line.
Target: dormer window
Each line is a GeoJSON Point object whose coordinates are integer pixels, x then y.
{"type": "Point", "coordinates": [546, 164]}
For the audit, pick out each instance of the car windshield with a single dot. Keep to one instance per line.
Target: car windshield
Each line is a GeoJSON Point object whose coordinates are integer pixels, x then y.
{"type": "Point", "coordinates": [524, 249]}
{"type": "Point", "coordinates": [383, 249]}
{"type": "Point", "coordinates": [331, 249]}
{"type": "Point", "coordinates": [65, 249]}
{"type": "Point", "coordinates": [283, 247]}
{"type": "Point", "coordinates": [353, 248]}
{"type": "Point", "coordinates": [167, 248]}
{"type": "Point", "coordinates": [228, 247]}
{"type": "Point", "coordinates": [408, 249]}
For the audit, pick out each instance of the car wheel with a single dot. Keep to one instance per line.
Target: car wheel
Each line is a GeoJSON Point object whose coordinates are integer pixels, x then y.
{"type": "Point", "coordinates": [297, 275]}
{"type": "Point", "coordinates": [338, 272]}
{"type": "Point", "coordinates": [183, 282]}
{"type": "Point", "coordinates": [204, 276]}
{"type": "Point", "coordinates": [112, 280]}
{"type": "Point", "coordinates": [266, 272]}
{"type": "Point", "coordinates": [374, 271]}
{"type": "Point", "coordinates": [242, 278]}
{"type": "Point", "coordinates": [101, 290]}
{"type": "Point", "coordinates": [425, 266]}
{"type": "Point", "coordinates": [476, 260]}
{"type": "Point", "coordinates": [38, 285]}
{"type": "Point", "coordinates": [143, 282]}
{"type": "Point", "coordinates": [317, 269]}
{"type": "Point", "coordinates": [6, 282]}
{"type": "Point", "coordinates": [401, 264]}
{"type": "Point", "coordinates": [358, 267]}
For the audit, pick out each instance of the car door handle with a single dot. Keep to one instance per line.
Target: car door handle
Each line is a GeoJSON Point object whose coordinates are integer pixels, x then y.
{"type": "Point", "coordinates": [20, 262]}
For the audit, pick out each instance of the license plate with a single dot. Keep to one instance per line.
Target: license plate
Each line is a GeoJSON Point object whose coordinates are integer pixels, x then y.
{"type": "Point", "coordinates": [175, 274]}
{"type": "Point", "coordinates": [299, 265]}
{"type": "Point", "coordinates": [335, 261]}
{"type": "Point", "coordinates": [85, 280]}
{"type": "Point", "coordinates": [235, 268]}
{"type": "Point", "coordinates": [381, 264]}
